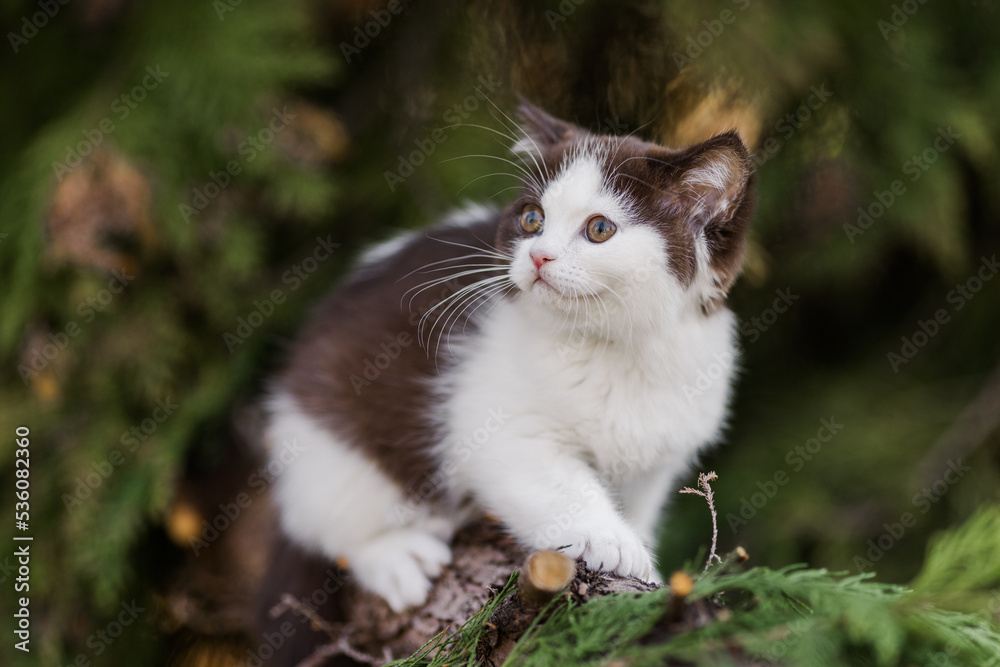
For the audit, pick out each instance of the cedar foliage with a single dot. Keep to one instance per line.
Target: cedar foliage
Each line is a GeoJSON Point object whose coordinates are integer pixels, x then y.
{"type": "Point", "coordinates": [160, 337]}
{"type": "Point", "coordinates": [790, 616]}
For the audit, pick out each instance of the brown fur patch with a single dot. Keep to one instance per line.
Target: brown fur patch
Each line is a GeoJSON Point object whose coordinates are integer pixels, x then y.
{"type": "Point", "coordinates": [369, 325]}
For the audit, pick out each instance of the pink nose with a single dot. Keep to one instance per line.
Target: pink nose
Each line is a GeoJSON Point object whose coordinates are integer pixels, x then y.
{"type": "Point", "coordinates": [540, 257]}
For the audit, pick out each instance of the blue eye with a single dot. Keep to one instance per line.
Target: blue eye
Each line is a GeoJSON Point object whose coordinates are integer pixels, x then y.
{"type": "Point", "coordinates": [600, 229]}
{"type": "Point", "coordinates": [532, 219]}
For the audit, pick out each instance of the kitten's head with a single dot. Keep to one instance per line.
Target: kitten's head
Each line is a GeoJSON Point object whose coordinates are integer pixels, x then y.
{"type": "Point", "coordinates": [616, 234]}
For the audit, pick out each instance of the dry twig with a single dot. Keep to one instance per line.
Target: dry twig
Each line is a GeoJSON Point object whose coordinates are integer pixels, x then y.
{"type": "Point", "coordinates": [709, 496]}
{"type": "Point", "coordinates": [339, 645]}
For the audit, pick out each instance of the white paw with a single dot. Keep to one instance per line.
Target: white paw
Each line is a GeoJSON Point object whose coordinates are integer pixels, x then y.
{"type": "Point", "coordinates": [399, 565]}
{"type": "Point", "coordinates": [617, 550]}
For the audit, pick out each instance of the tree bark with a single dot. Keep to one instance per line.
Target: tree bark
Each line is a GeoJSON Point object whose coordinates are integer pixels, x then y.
{"type": "Point", "coordinates": [365, 631]}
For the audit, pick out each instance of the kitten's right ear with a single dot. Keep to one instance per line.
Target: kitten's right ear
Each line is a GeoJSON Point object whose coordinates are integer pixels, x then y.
{"type": "Point", "coordinates": [541, 130]}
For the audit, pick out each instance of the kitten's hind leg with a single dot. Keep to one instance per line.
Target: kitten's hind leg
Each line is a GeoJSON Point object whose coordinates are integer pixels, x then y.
{"type": "Point", "coordinates": [334, 500]}
{"type": "Point", "coordinates": [399, 565]}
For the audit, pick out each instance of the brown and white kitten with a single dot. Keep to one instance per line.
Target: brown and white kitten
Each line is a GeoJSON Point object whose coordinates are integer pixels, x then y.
{"type": "Point", "coordinates": [535, 362]}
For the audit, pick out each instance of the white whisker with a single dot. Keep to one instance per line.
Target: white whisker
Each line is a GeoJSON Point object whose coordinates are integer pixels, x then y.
{"type": "Point", "coordinates": [495, 173]}
{"type": "Point", "coordinates": [494, 252]}
{"type": "Point", "coordinates": [457, 295]}
{"type": "Point", "coordinates": [451, 259]}
{"type": "Point", "coordinates": [542, 169]}
{"type": "Point", "coordinates": [478, 298]}
{"type": "Point", "coordinates": [422, 287]}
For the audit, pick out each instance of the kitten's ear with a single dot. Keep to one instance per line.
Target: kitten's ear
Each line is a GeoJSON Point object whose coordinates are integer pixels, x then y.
{"type": "Point", "coordinates": [713, 179]}
{"type": "Point", "coordinates": [541, 130]}
{"type": "Point", "coordinates": [712, 190]}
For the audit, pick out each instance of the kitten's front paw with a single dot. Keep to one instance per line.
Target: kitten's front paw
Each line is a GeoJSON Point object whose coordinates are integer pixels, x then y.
{"type": "Point", "coordinates": [619, 551]}
{"type": "Point", "coordinates": [398, 566]}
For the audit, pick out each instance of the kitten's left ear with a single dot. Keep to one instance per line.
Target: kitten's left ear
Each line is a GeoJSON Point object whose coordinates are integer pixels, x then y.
{"type": "Point", "coordinates": [714, 180]}
{"type": "Point", "coordinates": [712, 190]}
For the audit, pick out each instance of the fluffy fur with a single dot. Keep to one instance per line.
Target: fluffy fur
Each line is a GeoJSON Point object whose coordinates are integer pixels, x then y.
{"type": "Point", "coordinates": [543, 378]}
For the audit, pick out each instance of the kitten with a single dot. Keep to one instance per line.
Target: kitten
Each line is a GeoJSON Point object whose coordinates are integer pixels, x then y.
{"type": "Point", "coordinates": [540, 363]}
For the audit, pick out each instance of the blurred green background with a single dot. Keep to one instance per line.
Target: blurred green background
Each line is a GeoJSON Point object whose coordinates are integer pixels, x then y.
{"type": "Point", "coordinates": [165, 168]}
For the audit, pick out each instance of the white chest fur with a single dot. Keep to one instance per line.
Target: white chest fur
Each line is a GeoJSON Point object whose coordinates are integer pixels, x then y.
{"type": "Point", "coordinates": [629, 410]}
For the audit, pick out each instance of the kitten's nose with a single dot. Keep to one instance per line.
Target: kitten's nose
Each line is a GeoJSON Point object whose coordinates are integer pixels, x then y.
{"type": "Point", "coordinates": [539, 257]}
